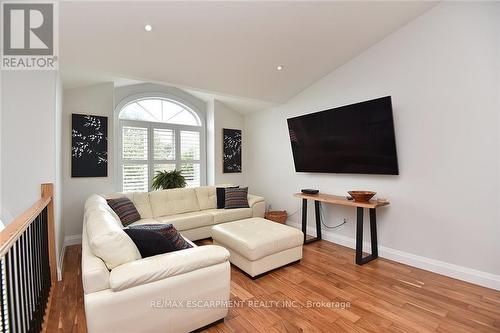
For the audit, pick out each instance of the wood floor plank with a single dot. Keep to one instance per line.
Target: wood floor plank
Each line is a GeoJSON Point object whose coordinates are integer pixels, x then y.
{"type": "Point", "coordinates": [383, 296]}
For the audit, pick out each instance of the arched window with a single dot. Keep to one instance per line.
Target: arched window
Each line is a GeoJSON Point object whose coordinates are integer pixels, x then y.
{"type": "Point", "coordinates": [159, 134]}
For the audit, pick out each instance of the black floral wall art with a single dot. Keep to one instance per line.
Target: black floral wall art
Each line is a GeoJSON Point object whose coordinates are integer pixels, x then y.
{"type": "Point", "coordinates": [231, 150]}
{"type": "Point", "coordinates": [89, 146]}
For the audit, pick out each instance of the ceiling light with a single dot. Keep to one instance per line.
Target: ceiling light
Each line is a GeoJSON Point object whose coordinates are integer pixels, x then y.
{"type": "Point", "coordinates": [148, 27]}
{"type": "Point", "coordinates": [279, 68]}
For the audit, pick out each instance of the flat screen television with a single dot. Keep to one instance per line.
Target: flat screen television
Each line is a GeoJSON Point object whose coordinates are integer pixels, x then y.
{"type": "Point", "coordinates": [357, 138]}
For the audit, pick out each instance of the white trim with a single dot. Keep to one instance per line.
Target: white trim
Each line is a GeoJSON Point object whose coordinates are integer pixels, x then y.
{"type": "Point", "coordinates": [440, 267]}
{"type": "Point", "coordinates": [68, 241]}
{"type": "Point", "coordinates": [60, 264]}
{"type": "Point", "coordinates": [72, 240]}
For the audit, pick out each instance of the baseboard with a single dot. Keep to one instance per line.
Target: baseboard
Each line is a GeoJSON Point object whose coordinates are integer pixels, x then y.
{"type": "Point", "coordinates": [440, 267]}
{"type": "Point", "coordinates": [72, 240]}
{"type": "Point", "coordinates": [60, 263]}
{"type": "Point", "coordinates": [68, 241]}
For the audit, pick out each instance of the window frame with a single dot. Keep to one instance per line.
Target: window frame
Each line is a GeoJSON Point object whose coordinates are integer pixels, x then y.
{"type": "Point", "coordinates": [119, 124]}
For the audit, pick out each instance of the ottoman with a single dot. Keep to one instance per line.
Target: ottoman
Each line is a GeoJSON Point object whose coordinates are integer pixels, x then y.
{"type": "Point", "coordinates": [257, 246]}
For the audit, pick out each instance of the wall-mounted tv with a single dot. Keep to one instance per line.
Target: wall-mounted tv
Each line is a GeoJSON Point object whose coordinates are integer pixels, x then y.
{"type": "Point", "coordinates": [357, 138]}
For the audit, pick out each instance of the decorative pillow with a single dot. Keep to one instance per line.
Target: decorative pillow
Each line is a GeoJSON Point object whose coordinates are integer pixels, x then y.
{"type": "Point", "coordinates": [221, 196]}
{"type": "Point", "coordinates": [236, 198]}
{"type": "Point", "coordinates": [154, 239]}
{"type": "Point", "coordinates": [125, 210]}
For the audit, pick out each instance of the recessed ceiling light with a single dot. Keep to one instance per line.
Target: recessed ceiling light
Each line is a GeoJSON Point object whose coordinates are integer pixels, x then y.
{"type": "Point", "coordinates": [148, 27]}
{"type": "Point", "coordinates": [279, 68]}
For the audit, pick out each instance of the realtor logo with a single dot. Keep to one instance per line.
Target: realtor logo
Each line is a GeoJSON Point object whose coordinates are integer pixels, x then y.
{"type": "Point", "coordinates": [28, 36]}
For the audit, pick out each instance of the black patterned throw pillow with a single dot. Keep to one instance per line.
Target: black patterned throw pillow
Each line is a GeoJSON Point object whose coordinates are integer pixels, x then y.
{"type": "Point", "coordinates": [125, 209]}
{"type": "Point", "coordinates": [236, 198]}
{"type": "Point", "coordinates": [221, 196]}
{"type": "Point", "coordinates": [154, 239]}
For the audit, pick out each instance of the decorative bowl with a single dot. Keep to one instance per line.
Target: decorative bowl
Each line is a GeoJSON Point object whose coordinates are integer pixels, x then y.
{"type": "Point", "coordinates": [362, 196]}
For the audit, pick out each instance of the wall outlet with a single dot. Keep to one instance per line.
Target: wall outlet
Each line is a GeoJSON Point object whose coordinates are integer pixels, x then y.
{"type": "Point", "coordinates": [345, 220]}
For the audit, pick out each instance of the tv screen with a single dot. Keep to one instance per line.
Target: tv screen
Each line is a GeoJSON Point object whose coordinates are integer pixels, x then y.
{"type": "Point", "coordinates": [356, 138]}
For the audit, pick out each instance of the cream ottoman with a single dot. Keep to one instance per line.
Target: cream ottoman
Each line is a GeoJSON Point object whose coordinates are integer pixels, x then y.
{"type": "Point", "coordinates": [257, 246]}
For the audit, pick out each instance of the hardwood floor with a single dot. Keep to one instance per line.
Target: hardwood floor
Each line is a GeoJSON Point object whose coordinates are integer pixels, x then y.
{"type": "Point", "coordinates": [383, 296]}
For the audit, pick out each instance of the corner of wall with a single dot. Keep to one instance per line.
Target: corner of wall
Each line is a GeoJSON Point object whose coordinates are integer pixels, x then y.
{"type": "Point", "coordinates": [210, 142]}
{"type": "Point", "coordinates": [225, 117]}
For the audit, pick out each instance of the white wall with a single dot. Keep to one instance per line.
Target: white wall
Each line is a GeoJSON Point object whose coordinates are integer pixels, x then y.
{"type": "Point", "coordinates": [58, 195]}
{"type": "Point", "coordinates": [102, 100]}
{"type": "Point", "coordinates": [441, 72]}
{"type": "Point", "coordinates": [95, 100]}
{"type": "Point", "coordinates": [1, 185]}
{"type": "Point", "coordinates": [220, 117]}
{"type": "Point", "coordinates": [29, 133]}
{"type": "Point", "coordinates": [211, 142]}
{"type": "Point", "coordinates": [28, 137]}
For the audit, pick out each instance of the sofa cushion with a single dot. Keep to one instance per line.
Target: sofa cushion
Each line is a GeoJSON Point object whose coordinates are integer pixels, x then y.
{"type": "Point", "coordinates": [141, 202]}
{"type": "Point", "coordinates": [94, 199]}
{"type": "Point", "coordinates": [154, 239]}
{"type": "Point", "coordinates": [95, 274]}
{"type": "Point", "coordinates": [125, 209]}
{"type": "Point", "coordinates": [236, 198]}
{"type": "Point", "coordinates": [206, 197]}
{"type": "Point", "coordinates": [175, 201]}
{"type": "Point", "coordinates": [188, 221]}
{"type": "Point", "coordinates": [160, 267]}
{"type": "Point", "coordinates": [229, 215]}
{"type": "Point", "coordinates": [108, 241]}
{"type": "Point", "coordinates": [146, 221]}
{"type": "Point", "coordinates": [97, 202]}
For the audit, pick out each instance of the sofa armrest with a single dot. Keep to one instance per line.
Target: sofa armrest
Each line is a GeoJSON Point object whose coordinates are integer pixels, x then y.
{"type": "Point", "coordinates": [162, 266]}
{"type": "Point", "coordinates": [257, 204]}
{"type": "Point", "coordinates": [95, 274]}
{"type": "Point", "coordinates": [253, 199]}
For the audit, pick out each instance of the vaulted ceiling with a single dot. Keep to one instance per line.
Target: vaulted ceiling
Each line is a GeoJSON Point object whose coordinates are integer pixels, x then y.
{"type": "Point", "coordinates": [226, 48]}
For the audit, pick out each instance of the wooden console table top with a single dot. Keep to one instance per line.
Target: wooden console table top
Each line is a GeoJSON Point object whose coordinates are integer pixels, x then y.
{"type": "Point", "coordinates": [341, 200]}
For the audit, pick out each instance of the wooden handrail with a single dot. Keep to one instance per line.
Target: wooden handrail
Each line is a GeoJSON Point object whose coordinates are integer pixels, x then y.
{"type": "Point", "coordinates": [15, 229]}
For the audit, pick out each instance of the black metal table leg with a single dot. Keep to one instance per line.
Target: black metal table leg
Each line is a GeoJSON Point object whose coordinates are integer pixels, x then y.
{"type": "Point", "coordinates": [304, 221]}
{"type": "Point", "coordinates": [359, 237]}
{"type": "Point", "coordinates": [304, 218]}
{"type": "Point", "coordinates": [373, 232]}
{"type": "Point", "coordinates": [318, 219]}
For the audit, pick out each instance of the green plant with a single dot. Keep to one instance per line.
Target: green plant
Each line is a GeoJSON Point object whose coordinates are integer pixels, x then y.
{"type": "Point", "coordinates": [168, 179]}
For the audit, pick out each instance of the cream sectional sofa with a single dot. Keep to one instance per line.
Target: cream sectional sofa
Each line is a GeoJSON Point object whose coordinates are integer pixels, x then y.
{"type": "Point", "coordinates": [173, 292]}
{"type": "Point", "coordinates": [192, 211]}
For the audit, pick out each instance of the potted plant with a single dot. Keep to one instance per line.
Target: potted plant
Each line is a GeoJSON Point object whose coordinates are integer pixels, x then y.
{"type": "Point", "coordinates": [164, 180]}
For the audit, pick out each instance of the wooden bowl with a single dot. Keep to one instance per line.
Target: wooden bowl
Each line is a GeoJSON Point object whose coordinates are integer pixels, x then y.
{"type": "Point", "coordinates": [362, 196]}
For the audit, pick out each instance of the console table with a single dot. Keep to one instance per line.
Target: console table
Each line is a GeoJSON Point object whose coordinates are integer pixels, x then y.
{"type": "Point", "coordinates": [372, 205]}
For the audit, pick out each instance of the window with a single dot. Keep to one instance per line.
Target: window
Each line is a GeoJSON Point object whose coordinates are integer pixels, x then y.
{"type": "Point", "coordinates": [159, 134]}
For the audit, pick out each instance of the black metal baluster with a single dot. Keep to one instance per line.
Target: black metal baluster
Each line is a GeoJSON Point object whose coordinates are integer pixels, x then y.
{"type": "Point", "coordinates": [31, 275]}
{"type": "Point", "coordinates": [36, 242]}
{"type": "Point", "coordinates": [46, 259]}
{"type": "Point", "coordinates": [35, 274]}
{"type": "Point", "coordinates": [22, 284]}
{"type": "Point", "coordinates": [11, 316]}
{"type": "Point", "coordinates": [3, 306]}
{"type": "Point", "coordinates": [19, 286]}
{"type": "Point", "coordinates": [27, 305]}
